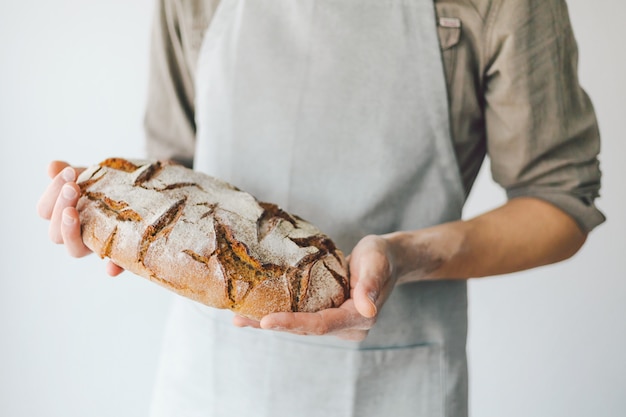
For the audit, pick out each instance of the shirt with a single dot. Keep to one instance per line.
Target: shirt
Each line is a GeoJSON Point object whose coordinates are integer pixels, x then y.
{"type": "Point", "coordinates": [513, 94]}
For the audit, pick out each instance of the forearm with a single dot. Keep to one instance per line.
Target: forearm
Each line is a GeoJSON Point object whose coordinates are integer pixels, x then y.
{"type": "Point", "coordinates": [522, 234]}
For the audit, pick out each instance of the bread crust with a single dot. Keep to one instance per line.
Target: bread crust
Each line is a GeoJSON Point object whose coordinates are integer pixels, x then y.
{"type": "Point", "coordinates": [207, 240]}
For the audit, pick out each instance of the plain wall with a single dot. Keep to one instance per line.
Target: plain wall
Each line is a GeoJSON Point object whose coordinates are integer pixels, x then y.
{"type": "Point", "coordinates": [75, 342]}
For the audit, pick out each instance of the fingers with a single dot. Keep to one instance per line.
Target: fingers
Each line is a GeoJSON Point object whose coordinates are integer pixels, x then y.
{"type": "Point", "coordinates": [307, 324]}
{"type": "Point", "coordinates": [65, 174]}
{"type": "Point", "coordinates": [346, 334]}
{"type": "Point", "coordinates": [344, 322]}
{"type": "Point", "coordinates": [113, 270]}
{"type": "Point", "coordinates": [62, 222]}
{"type": "Point", "coordinates": [61, 173]}
{"type": "Point", "coordinates": [70, 233]}
{"type": "Point", "coordinates": [55, 167]}
{"type": "Point", "coordinates": [241, 321]}
{"type": "Point", "coordinates": [58, 204]}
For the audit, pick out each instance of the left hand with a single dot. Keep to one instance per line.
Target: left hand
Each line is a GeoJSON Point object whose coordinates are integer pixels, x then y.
{"type": "Point", "coordinates": [372, 279]}
{"type": "Point", "coordinates": [58, 205]}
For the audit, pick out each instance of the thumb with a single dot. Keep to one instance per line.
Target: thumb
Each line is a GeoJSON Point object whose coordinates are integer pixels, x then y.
{"type": "Point", "coordinates": [365, 296]}
{"type": "Point", "coordinates": [370, 274]}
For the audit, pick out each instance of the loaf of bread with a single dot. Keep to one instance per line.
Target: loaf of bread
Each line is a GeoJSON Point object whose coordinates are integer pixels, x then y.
{"type": "Point", "coordinates": [206, 240]}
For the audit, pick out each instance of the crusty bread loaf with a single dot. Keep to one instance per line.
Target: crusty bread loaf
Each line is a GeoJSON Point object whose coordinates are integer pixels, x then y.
{"type": "Point", "coordinates": [207, 240]}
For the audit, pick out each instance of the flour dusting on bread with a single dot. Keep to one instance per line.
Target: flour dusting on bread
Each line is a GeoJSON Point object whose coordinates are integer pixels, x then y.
{"type": "Point", "coordinates": [206, 240]}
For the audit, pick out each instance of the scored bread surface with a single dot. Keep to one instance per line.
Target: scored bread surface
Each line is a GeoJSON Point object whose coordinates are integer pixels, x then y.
{"type": "Point", "coordinates": [208, 241]}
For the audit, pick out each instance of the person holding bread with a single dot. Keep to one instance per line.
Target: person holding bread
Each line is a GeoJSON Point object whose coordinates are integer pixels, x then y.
{"type": "Point", "coordinates": [370, 120]}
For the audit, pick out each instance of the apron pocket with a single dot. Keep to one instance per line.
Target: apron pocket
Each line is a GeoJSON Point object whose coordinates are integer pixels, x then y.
{"type": "Point", "coordinates": [416, 374]}
{"type": "Point", "coordinates": [335, 381]}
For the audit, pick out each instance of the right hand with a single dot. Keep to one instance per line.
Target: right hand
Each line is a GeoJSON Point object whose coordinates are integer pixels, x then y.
{"type": "Point", "coordinates": [58, 204]}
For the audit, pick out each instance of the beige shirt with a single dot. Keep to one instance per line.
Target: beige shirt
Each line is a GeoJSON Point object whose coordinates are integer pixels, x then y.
{"type": "Point", "coordinates": [513, 93]}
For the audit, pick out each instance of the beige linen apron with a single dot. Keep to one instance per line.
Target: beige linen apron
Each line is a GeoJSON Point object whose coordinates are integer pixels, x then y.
{"type": "Point", "coordinates": [336, 110]}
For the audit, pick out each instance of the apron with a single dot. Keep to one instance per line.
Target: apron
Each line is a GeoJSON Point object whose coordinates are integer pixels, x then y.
{"type": "Point", "coordinates": [336, 110]}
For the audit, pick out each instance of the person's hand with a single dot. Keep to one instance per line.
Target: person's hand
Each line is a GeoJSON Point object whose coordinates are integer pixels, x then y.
{"type": "Point", "coordinates": [372, 279]}
{"type": "Point", "coordinates": [58, 204]}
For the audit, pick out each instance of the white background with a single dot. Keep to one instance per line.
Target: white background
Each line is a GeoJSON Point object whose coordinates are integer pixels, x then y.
{"type": "Point", "coordinates": [74, 342]}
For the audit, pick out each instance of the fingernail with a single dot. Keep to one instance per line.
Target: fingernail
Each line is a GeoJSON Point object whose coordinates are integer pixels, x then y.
{"type": "Point", "coordinates": [68, 174]}
{"type": "Point", "coordinates": [68, 192]}
{"type": "Point", "coordinates": [373, 296]}
{"type": "Point", "coordinates": [68, 220]}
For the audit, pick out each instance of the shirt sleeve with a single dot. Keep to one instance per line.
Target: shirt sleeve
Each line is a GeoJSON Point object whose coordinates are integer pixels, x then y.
{"type": "Point", "coordinates": [169, 116]}
{"type": "Point", "coordinates": [542, 133]}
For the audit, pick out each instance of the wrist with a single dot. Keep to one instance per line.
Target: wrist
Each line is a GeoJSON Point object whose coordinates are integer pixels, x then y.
{"type": "Point", "coordinates": [426, 254]}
